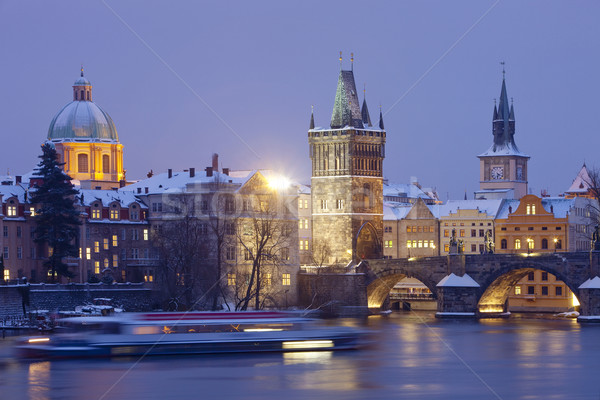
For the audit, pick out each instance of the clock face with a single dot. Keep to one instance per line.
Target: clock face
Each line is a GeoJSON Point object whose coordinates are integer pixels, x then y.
{"type": "Point", "coordinates": [497, 173]}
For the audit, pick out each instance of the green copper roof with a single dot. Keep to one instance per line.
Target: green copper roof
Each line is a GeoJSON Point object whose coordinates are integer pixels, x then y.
{"type": "Point", "coordinates": [346, 110]}
{"type": "Point", "coordinates": [82, 120]}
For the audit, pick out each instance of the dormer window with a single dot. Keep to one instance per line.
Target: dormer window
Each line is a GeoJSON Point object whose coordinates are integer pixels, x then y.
{"type": "Point", "coordinates": [114, 212]}
{"type": "Point", "coordinates": [96, 211]}
{"type": "Point", "coordinates": [134, 213]}
{"type": "Point", "coordinates": [530, 209]}
{"type": "Point", "coordinates": [11, 209]}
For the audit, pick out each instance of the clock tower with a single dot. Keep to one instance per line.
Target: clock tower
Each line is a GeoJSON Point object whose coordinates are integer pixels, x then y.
{"type": "Point", "coordinates": [503, 168]}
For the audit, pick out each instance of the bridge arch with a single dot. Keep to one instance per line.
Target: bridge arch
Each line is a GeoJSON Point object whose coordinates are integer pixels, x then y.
{"type": "Point", "coordinates": [383, 281]}
{"type": "Point", "coordinates": [496, 288]}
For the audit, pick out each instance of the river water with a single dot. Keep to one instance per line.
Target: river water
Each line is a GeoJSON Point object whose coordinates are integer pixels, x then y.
{"type": "Point", "coordinates": [412, 356]}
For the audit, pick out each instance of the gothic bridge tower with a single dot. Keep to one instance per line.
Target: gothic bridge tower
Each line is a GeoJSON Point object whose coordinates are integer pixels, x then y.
{"type": "Point", "coordinates": [347, 180]}
{"type": "Point", "coordinates": [503, 168]}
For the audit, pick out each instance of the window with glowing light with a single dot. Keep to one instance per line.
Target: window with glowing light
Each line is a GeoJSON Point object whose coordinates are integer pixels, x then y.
{"type": "Point", "coordinates": [106, 263]}
{"type": "Point", "coordinates": [96, 247]}
{"type": "Point", "coordinates": [145, 234]}
{"type": "Point", "coordinates": [115, 260]}
{"type": "Point", "coordinates": [286, 280]}
{"type": "Point", "coordinates": [95, 213]}
{"type": "Point", "coordinates": [115, 240]}
{"type": "Point", "coordinates": [88, 253]}
{"type": "Point", "coordinates": [230, 279]}
{"type": "Point", "coordinates": [11, 211]}
{"type": "Point", "coordinates": [96, 267]}
{"type": "Point", "coordinates": [517, 290]}
{"type": "Point", "coordinates": [517, 244]}
{"type": "Point", "coordinates": [32, 211]}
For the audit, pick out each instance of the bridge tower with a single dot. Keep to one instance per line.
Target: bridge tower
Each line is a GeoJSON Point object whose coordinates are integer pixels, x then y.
{"type": "Point", "coordinates": [347, 179]}
{"type": "Point", "coordinates": [503, 167]}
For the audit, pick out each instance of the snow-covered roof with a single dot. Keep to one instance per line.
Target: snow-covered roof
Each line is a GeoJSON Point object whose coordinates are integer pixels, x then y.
{"type": "Point", "coordinates": [489, 207]}
{"type": "Point", "coordinates": [593, 283]}
{"type": "Point", "coordinates": [303, 189]}
{"type": "Point", "coordinates": [8, 191]}
{"type": "Point", "coordinates": [581, 183]}
{"type": "Point", "coordinates": [124, 197]}
{"type": "Point", "coordinates": [453, 280]}
{"type": "Point", "coordinates": [395, 211]}
{"type": "Point", "coordinates": [506, 150]}
{"type": "Point", "coordinates": [403, 190]}
{"type": "Point", "coordinates": [161, 183]}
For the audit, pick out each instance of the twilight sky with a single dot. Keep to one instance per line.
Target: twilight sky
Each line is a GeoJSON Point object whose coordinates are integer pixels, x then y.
{"type": "Point", "coordinates": [259, 66]}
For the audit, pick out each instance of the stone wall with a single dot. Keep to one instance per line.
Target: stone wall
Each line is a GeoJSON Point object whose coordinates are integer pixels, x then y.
{"type": "Point", "coordinates": [57, 297]}
{"type": "Point", "coordinates": [333, 292]}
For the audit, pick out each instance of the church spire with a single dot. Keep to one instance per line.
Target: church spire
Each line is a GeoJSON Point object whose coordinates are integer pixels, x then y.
{"type": "Point", "coordinates": [312, 118]}
{"type": "Point", "coordinates": [504, 120]}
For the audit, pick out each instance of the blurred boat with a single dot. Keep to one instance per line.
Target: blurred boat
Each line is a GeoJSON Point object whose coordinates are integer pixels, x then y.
{"type": "Point", "coordinates": [189, 333]}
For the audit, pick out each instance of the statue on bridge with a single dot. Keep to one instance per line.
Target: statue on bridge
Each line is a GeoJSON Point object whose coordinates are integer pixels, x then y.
{"type": "Point", "coordinates": [489, 242]}
{"type": "Point", "coordinates": [596, 239]}
{"type": "Point", "coordinates": [456, 246]}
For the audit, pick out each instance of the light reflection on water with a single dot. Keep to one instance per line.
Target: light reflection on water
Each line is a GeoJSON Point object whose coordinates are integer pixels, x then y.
{"type": "Point", "coordinates": [412, 356]}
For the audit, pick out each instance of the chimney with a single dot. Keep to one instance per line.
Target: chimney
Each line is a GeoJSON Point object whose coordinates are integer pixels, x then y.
{"type": "Point", "coordinates": [122, 183]}
{"type": "Point", "coordinates": [226, 171]}
{"type": "Point", "coordinates": [18, 179]}
{"type": "Point", "coordinates": [145, 190]}
{"type": "Point", "coordinates": [192, 172]}
{"type": "Point", "coordinates": [170, 172]}
{"type": "Point", "coordinates": [209, 171]}
{"type": "Point", "coordinates": [215, 162]}
{"type": "Point", "coordinates": [139, 190]}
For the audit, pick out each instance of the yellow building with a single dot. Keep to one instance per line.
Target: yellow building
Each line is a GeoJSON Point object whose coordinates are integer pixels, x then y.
{"type": "Point", "coordinates": [542, 225]}
{"type": "Point", "coordinates": [86, 139]}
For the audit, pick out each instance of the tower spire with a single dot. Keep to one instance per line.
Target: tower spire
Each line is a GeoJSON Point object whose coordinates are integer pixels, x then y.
{"type": "Point", "coordinates": [312, 117]}
{"type": "Point", "coordinates": [366, 118]}
{"type": "Point", "coordinates": [352, 61]}
{"type": "Point", "coordinates": [340, 60]}
{"type": "Point", "coordinates": [82, 70]}
{"type": "Point", "coordinates": [380, 118]}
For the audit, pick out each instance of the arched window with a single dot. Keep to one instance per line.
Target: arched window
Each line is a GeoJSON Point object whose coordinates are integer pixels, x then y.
{"type": "Point", "coordinates": [517, 244]}
{"type": "Point", "coordinates": [544, 243]}
{"type": "Point", "coordinates": [105, 164]}
{"type": "Point", "coordinates": [82, 95]}
{"type": "Point", "coordinates": [87, 94]}
{"type": "Point", "coordinates": [503, 244]}
{"type": "Point", "coordinates": [82, 163]}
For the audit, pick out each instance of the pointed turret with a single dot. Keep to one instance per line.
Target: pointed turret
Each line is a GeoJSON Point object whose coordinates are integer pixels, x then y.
{"type": "Point", "coordinates": [366, 118]}
{"type": "Point", "coordinates": [380, 119]}
{"type": "Point", "coordinates": [495, 111]}
{"type": "Point", "coordinates": [312, 118]}
{"type": "Point", "coordinates": [346, 110]}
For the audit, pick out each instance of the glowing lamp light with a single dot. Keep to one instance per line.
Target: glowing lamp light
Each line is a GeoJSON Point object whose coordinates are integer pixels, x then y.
{"type": "Point", "coordinates": [279, 183]}
{"type": "Point", "coordinates": [39, 340]}
{"type": "Point", "coordinates": [307, 344]}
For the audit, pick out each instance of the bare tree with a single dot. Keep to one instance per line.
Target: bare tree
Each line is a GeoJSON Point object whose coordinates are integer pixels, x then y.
{"type": "Point", "coordinates": [183, 244]}
{"type": "Point", "coordinates": [264, 234]}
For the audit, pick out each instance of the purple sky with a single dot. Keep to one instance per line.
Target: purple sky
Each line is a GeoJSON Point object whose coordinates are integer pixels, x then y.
{"type": "Point", "coordinates": [260, 66]}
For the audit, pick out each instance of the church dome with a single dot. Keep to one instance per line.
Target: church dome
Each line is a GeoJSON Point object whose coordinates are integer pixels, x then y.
{"type": "Point", "coordinates": [82, 119]}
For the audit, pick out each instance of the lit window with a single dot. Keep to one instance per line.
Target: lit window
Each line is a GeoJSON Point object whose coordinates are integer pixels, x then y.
{"type": "Point", "coordinates": [115, 260]}
{"type": "Point", "coordinates": [80, 252]}
{"type": "Point", "coordinates": [11, 211]}
{"type": "Point", "coordinates": [517, 244]}
{"type": "Point", "coordinates": [96, 267]}
{"type": "Point", "coordinates": [106, 263]}
{"type": "Point", "coordinates": [105, 243]}
{"type": "Point", "coordinates": [95, 213]}
{"type": "Point", "coordinates": [148, 277]}
{"type": "Point", "coordinates": [462, 233]}
{"type": "Point", "coordinates": [6, 275]}
{"type": "Point", "coordinates": [286, 280]}
{"type": "Point", "coordinates": [230, 279]}
{"type": "Point", "coordinates": [446, 248]}
{"type": "Point", "coordinates": [268, 280]}
{"type": "Point", "coordinates": [114, 213]}
{"type": "Point", "coordinates": [115, 240]}
{"type": "Point", "coordinates": [88, 253]}
{"type": "Point", "coordinates": [425, 243]}
{"type": "Point", "coordinates": [96, 247]}
{"type": "Point", "coordinates": [305, 203]}
{"type": "Point", "coordinates": [32, 211]}
{"type": "Point", "coordinates": [517, 290]}
{"type": "Point", "coordinates": [145, 234]}
{"type": "Point", "coordinates": [408, 242]}
{"type": "Point", "coordinates": [420, 243]}
{"type": "Point", "coordinates": [431, 244]}
{"type": "Point", "coordinates": [446, 233]}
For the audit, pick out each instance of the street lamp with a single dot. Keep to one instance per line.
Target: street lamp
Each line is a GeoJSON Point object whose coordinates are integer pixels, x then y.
{"type": "Point", "coordinates": [555, 241]}
{"type": "Point", "coordinates": [529, 245]}
{"type": "Point", "coordinates": [433, 248]}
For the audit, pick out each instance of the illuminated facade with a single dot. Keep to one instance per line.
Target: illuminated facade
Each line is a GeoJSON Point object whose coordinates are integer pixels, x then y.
{"type": "Point", "coordinates": [86, 139]}
{"type": "Point", "coordinates": [347, 181]}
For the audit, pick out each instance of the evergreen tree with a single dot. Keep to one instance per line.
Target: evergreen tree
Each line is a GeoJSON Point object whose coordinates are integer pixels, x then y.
{"type": "Point", "coordinates": [56, 217]}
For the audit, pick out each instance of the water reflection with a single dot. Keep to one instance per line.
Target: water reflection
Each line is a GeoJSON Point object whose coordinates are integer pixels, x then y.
{"type": "Point", "coordinates": [39, 381]}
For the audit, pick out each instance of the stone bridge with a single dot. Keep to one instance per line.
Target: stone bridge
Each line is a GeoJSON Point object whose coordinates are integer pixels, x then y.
{"type": "Point", "coordinates": [486, 279]}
